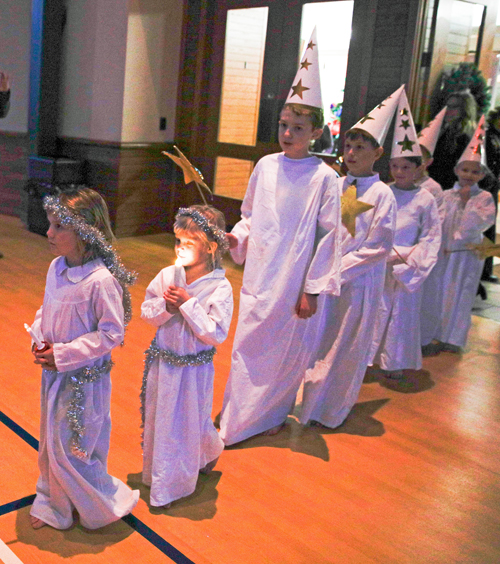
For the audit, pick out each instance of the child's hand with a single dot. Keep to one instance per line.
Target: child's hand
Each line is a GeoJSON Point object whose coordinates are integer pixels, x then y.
{"type": "Point", "coordinates": [232, 240]}
{"type": "Point", "coordinates": [306, 306]}
{"type": "Point", "coordinates": [175, 297]}
{"type": "Point", "coordinates": [45, 358]}
{"type": "Point", "coordinates": [464, 194]}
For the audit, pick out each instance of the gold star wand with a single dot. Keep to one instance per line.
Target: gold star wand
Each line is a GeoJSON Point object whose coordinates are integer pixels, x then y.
{"type": "Point", "coordinates": [351, 207]}
{"type": "Point", "coordinates": [486, 248]}
{"type": "Point", "coordinates": [191, 173]}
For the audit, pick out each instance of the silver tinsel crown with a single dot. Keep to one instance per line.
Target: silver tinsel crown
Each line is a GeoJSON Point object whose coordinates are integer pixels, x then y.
{"type": "Point", "coordinates": [217, 234]}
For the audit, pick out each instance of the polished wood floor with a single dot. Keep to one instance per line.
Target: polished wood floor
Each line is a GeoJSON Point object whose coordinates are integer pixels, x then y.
{"type": "Point", "coordinates": [411, 477]}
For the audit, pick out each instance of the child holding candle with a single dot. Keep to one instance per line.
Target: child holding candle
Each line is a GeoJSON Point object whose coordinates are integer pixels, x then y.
{"type": "Point", "coordinates": [192, 317]}
{"type": "Point", "coordinates": [82, 318]}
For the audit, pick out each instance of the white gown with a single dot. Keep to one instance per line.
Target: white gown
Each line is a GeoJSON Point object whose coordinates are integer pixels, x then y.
{"type": "Point", "coordinates": [332, 386]}
{"type": "Point", "coordinates": [396, 342]}
{"type": "Point", "coordinates": [462, 270]}
{"type": "Point", "coordinates": [289, 236]}
{"type": "Point", "coordinates": [179, 435]}
{"type": "Point", "coordinates": [82, 315]}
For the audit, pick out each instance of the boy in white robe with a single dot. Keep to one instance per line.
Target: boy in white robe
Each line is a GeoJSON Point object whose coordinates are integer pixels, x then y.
{"type": "Point", "coordinates": [396, 342]}
{"type": "Point", "coordinates": [332, 386]}
{"type": "Point", "coordinates": [288, 238]}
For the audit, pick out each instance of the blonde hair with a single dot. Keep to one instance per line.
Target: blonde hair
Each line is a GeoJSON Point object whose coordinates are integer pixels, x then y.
{"type": "Point", "coordinates": [185, 224]}
{"type": "Point", "coordinates": [90, 206]}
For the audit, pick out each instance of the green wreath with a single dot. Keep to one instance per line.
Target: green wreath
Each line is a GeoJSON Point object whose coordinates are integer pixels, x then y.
{"type": "Point", "coordinates": [466, 76]}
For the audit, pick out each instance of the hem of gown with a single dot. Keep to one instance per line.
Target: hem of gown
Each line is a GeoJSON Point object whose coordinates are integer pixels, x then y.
{"type": "Point", "coordinates": [249, 433]}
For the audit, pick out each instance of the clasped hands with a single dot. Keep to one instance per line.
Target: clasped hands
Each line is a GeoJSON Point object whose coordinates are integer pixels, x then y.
{"type": "Point", "coordinates": [174, 298]}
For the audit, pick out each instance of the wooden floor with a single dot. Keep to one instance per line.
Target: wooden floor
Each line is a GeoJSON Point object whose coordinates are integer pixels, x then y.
{"type": "Point", "coordinates": [411, 477]}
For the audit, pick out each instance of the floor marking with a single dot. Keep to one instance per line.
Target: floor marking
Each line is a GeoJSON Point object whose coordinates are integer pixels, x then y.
{"type": "Point", "coordinates": [7, 556]}
{"type": "Point", "coordinates": [146, 532]}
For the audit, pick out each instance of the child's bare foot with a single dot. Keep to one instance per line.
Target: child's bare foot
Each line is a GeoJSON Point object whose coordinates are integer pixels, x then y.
{"type": "Point", "coordinates": [37, 523]}
{"type": "Point", "coordinates": [209, 467]}
{"type": "Point", "coordinates": [273, 430]}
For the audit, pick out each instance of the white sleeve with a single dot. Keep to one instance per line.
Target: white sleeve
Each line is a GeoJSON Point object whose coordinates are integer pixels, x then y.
{"type": "Point", "coordinates": [210, 323]}
{"type": "Point", "coordinates": [80, 352]}
{"type": "Point", "coordinates": [478, 215]}
{"type": "Point", "coordinates": [153, 308]}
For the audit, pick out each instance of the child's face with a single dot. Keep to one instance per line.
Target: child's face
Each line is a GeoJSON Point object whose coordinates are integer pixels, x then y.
{"type": "Point", "coordinates": [295, 134]}
{"type": "Point", "coordinates": [64, 242]}
{"type": "Point", "coordinates": [360, 156]}
{"type": "Point", "coordinates": [403, 172]}
{"type": "Point", "coordinates": [191, 250]}
{"type": "Point", "coordinates": [469, 173]}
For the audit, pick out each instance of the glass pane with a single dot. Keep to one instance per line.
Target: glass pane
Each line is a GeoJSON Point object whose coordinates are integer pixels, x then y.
{"type": "Point", "coordinates": [241, 83]}
{"type": "Point", "coordinates": [463, 36]}
{"type": "Point", "coordinates": [231, 177]}
{"type": "Point", "coordinates": [333, 48]}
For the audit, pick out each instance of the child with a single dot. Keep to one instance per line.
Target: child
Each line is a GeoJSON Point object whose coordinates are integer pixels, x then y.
{"type": "Point", "coordinates": [396, 343]}
{"type": "Point", "coordinates": [468, 211]}
{"type": "Point", "coordinates": [289, 238]}
{"type": "Point", "coordinates": [81, 320]}
{"type": "Point", "coordinates": [193, 315]}
{"type": "Point", "coordinates": [332, 386]}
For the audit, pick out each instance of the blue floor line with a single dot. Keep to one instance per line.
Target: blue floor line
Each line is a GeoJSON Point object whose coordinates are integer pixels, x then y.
{"type": "Point", "coordinates": [154, 538]}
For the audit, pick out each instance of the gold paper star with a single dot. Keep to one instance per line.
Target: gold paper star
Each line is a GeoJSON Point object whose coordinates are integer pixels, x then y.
{"type": "Point", "coordinates": [191, 173]}
{"type": "Point", "coordinates": [311, 45]}
{"type": "Point", "coordinates": [351, 207]}
{"type": "Point", "coordinates": [486, 249]}
{"type": "Point", "coordinates": [406, 144]}
{"type": "Point", "coordinates": [404, 112]}
{"type": "Point", "coordinates": [366, 118]}
{"type": "Point", "coordinates": [305, 64]}
{"type": "Point", "coordinates": [405, 123]}
{"type": "Point", "coordinates": [298, 89]}
{"type": "Point", "coordinates": [381, 105]}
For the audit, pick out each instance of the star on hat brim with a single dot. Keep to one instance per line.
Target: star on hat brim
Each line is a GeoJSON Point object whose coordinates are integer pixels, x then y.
{"type": "Point", "coordinates": [351, 207]}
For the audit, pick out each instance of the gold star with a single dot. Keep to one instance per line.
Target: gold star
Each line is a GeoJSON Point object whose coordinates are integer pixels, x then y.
{"type": "Point", "coordinates": [298, 89]}
{"type": "Point", "coordinates": [191, 173]}
{"type": "Point", "coordinates": [351, 208]}
{"type": "Point", "coordinates": [404, 112]}
{"type": "Point", "coordinates": [366, 118]}
{"type": "Point", "coordinates": [305, 64]}
{"type": "Point", "coordinates": [405, 123]}
{"type": "Point", "coordinates": [486, 249]}
{"type": "Point", "coordinates": [381, 105]}
{"type": "Point", "coordinates": [406, 144]}
{"type": "Point", "coordinates": [311, 45]}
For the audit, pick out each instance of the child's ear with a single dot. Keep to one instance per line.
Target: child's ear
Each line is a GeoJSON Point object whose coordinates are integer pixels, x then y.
{"type": "Point", "coordinates": [379, 151]}
{"type": "Point", "coordinates": [316, 134]}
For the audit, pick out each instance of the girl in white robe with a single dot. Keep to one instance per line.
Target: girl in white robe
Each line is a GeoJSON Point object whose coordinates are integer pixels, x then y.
{"type": "Point", "coordinates": [466, 217]}
{"type": "Point", "coordinates": [81, 320]}
{"type": "Point", "coordinates": [193, 314]}
{"type": "Point", "coordinates": [332, 385]}
{"type": "Point", "coordinates": [396, 344]}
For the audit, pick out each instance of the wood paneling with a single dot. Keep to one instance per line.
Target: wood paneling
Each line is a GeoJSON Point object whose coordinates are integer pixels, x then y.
{"type": "Point", "coordinates": [13, 171]}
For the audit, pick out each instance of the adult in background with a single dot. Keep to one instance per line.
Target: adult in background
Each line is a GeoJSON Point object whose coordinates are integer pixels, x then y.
{"type": "Point", "coordinates": [4, 99]}
{"type": "Point", "coordinates": [458, 128]}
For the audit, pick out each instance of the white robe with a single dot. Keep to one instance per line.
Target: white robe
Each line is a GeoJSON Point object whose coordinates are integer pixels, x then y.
{"type": "Point", "coordinates": [396, 342]}
{"type": "Point", "coordinates": [179, 435]}
{"type": "Point", "coordinates": [82, 315]}
{"type": "Point", "coordinates": [332, 386]}
{"type": "Point", "coordinates": [430, 312]}
{"type": "Point", "coordinates": [289, 236]}
{"type": "Point", "coordinates": [462, 271]}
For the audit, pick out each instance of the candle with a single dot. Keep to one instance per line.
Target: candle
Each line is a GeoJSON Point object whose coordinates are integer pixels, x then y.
{"type": "Point", "coordinates": [178, 272]}
{"type": "Point", "coordinates": [38, 343]}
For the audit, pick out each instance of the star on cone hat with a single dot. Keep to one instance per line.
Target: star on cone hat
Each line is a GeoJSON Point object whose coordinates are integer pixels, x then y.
{"type": "Point", "coordinates": [306, 88]}
{"type": "Point", "coordinates": [378, 121]}
{"type": "Point", "coordinates": [475, 149]}
{"type": "Point", "coordinates": [405, 141]}
{"type": "Point", "coordinates": [429, 135]}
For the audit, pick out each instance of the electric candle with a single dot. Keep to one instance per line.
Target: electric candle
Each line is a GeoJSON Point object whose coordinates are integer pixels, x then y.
{"type": "Point", "coordinates": [177, 272]}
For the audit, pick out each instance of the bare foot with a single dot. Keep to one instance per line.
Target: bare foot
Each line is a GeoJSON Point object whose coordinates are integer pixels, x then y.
{"type": "Point", "coordinates": [209, 467]}
{"type": "Point", "coordinates": [37, 523]}
{"type": "Point", "coordinates": [273, 430]}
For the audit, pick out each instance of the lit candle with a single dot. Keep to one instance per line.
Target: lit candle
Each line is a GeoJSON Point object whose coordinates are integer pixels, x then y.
{"type": "Point", "coordinates": [38, 343]}
{"type": "Point", "coordinates": [178, 272]}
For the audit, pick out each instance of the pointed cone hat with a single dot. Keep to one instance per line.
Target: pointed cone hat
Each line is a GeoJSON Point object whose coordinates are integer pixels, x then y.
{"type": "Point", "coordinates": [429, 135]}
{"type": "Point", "coordinates": [306, 88]}
{"type": "Point", "coordinates": [378, 121]}
{"type": "Point", "coordinates": [405, 142]}
{"type": "Point", "coordinates": [475, 149]}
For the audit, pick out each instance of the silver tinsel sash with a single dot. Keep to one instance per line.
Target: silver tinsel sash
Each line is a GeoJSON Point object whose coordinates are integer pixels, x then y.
{"type": "Point", "coordinates": [174, 359]}
{"type": "Point", "coordinates": [77, 404]}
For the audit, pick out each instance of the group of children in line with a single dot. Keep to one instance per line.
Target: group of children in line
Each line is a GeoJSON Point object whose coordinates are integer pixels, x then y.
{"type": "Point", "coordinates": [338, 274]}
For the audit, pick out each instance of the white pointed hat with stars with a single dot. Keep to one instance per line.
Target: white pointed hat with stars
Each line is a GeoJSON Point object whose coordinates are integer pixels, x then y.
{"type": "Point", "coordinates": [429, 135]}
{"type": "Point", "coordinates": [378, 121]}
{"type": "Point", "coordinates": [306, 88]}
{"type": "Point", "coordinates": [405, 142]}
{"type": "Point", "coordinates": [475, 149]}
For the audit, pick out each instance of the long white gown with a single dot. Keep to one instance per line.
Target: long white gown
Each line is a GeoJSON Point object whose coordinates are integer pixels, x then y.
{"type": "Point", "coordinates": [289, 236]}
{"type": "Point", "coordinates": [82, 315]}
{"type": "Point", "coordinates": [179, 435]}
{"type": "Point", "coordinates": [462, 271]}
{"type": "Point", "coordinates": [345, 334]}
{"type": "Point", "coordinates": [396, 342]}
